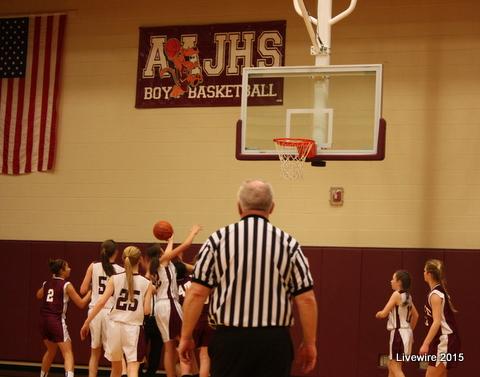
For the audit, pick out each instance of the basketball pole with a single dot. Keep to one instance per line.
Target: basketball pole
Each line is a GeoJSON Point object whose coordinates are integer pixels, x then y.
{"type": "Point", "coordinates": [321, 44]}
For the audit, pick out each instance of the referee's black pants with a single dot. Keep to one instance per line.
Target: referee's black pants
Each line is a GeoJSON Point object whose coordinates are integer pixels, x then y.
{"type": "Point", "coordinates": [251, 352]}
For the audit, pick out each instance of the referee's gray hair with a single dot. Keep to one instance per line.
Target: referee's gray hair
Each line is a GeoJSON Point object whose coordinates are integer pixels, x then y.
{"type": "Point", "coordinates": [255, 194]}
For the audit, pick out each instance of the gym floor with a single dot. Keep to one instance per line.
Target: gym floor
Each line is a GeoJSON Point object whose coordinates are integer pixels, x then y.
{"type": "Point", "coordinates": [34, 371]}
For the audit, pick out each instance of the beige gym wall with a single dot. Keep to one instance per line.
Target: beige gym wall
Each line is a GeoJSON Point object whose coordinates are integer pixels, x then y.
{"type": "Point", "coordinates": [120, 169]}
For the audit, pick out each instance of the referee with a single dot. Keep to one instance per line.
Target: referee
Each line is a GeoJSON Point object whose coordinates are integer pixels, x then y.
{"type": "Point", "coordinates": [254, 271]}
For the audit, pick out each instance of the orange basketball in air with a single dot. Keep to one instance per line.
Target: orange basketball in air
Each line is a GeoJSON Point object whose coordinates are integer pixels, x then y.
{"type": "Point", "coordinates": [162, 230]}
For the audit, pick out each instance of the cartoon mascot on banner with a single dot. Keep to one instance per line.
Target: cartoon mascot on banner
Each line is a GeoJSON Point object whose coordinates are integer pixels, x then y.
{"type": "Point", "coordinates": [187, 71]}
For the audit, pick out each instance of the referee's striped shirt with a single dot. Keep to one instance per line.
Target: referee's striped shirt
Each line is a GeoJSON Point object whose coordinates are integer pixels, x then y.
{"type": "Point", "coordinates": [255, 269]}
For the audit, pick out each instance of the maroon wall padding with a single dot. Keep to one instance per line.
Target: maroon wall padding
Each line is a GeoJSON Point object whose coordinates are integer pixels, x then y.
{"type": "Point", "coordinates": [15, 283]}
{"type": "Point", "coordinates": [339, 303]}
{"type": "Point", "coordinates": [462, 271]}
{"type": "Point", "coordinates": [377, 269]}
{"type": "Point", "coordinates": [351, 285]}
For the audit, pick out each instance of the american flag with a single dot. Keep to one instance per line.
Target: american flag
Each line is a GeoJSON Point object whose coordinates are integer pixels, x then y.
{"type": "Point", "coordinates": [30, 57]}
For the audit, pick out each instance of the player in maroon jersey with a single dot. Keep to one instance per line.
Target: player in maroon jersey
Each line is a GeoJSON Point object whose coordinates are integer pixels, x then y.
{"type": "Point", "coordinates": [55, 294]}
{"type": "Point", "coordinates": [442, 342]}
{"type": "Point", "coordinates": [202, 332]}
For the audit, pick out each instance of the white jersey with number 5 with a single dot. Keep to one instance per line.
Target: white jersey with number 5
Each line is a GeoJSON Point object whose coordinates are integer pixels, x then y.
{"type": "Point", "coordinates": [99, 282]}
{"type": "Point", "coordinates": [124, 310]}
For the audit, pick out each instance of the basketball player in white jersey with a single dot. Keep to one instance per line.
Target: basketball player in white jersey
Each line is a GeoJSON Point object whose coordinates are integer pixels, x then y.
{"type": "Point", "coordinates": [168, 312]}
{"type": "Point", "coordinates": [96, 276]}
{"type": "Point", "coordinates": [132, 294]}
{"type": "Point", "coordinates": [402, 319]}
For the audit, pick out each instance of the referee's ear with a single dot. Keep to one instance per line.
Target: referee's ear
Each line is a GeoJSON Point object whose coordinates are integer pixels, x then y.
{"type": "Point", "coordinates": [240, 211]}
{"type": "Point", "coordinates": [271, 208]}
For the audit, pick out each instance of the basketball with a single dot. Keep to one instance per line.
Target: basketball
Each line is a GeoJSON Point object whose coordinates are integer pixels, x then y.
{"type": "Point", "coordinates": [162, 230]}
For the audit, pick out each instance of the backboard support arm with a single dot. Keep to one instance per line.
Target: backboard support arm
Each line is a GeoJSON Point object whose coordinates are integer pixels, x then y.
{"type": "Point", "coordinates": [321, 39]}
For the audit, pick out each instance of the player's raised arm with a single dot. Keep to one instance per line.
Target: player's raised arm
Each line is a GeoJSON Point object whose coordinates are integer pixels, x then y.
{"type": "Point", "coordinates": [171, 252]}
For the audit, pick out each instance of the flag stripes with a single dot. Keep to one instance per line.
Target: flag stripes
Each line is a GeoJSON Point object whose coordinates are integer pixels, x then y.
{"type": "Point", "coordinates": [28, 104]}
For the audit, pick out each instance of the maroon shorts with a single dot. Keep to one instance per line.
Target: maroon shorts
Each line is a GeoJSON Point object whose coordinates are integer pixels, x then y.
{"type": "Point", "coordinates": [202, 333]}
{"type": "Point", "coordinates": [447, 349]}
{"type": "Point", "coordinates": [54, 329]}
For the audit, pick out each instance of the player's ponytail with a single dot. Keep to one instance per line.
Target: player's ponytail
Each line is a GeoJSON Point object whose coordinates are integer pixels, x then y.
{"type": "Point", "coordinates": [436, 269]}
{"type": "Point", "coordinates": [108, 249]}
{"type": "Point", "coordinates": [131, 256]}
{"type": "Point", "coordinates": [406, 280]}
{"type": "Point", "coordinates": [56, 265]}
{"type": "Point", "coordinates": [153, 254]}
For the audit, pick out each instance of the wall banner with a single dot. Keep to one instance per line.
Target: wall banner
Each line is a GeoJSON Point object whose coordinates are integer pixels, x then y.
{"type": "Point", "coordinates": [201, 65]}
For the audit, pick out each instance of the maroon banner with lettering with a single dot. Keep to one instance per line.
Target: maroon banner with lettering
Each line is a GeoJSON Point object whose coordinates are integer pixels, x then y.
{"type": "Point", "coordinates": [201, 65]}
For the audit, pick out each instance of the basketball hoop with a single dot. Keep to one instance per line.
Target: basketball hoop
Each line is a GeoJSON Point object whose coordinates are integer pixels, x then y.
{"type": "Point", "coordinates": [292, 153]}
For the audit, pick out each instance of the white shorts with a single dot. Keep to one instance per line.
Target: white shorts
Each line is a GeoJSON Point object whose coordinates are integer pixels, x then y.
{"type": "Point", "coordinates": [168, 314]}
{"type": "Point", "coordinates": [98, 329]}
{"type": "Point", "coordinates": [401, 341]}
{"type": "Point", "coordinates": [125, 339]}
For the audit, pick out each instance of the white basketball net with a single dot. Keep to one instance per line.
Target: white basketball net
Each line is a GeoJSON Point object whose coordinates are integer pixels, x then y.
{"type": "Point", "coordinates": [292, 154]}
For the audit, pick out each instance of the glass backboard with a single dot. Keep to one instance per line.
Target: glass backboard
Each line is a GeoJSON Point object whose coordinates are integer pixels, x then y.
{"type": "Point", "coordinates": [337, 106]}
